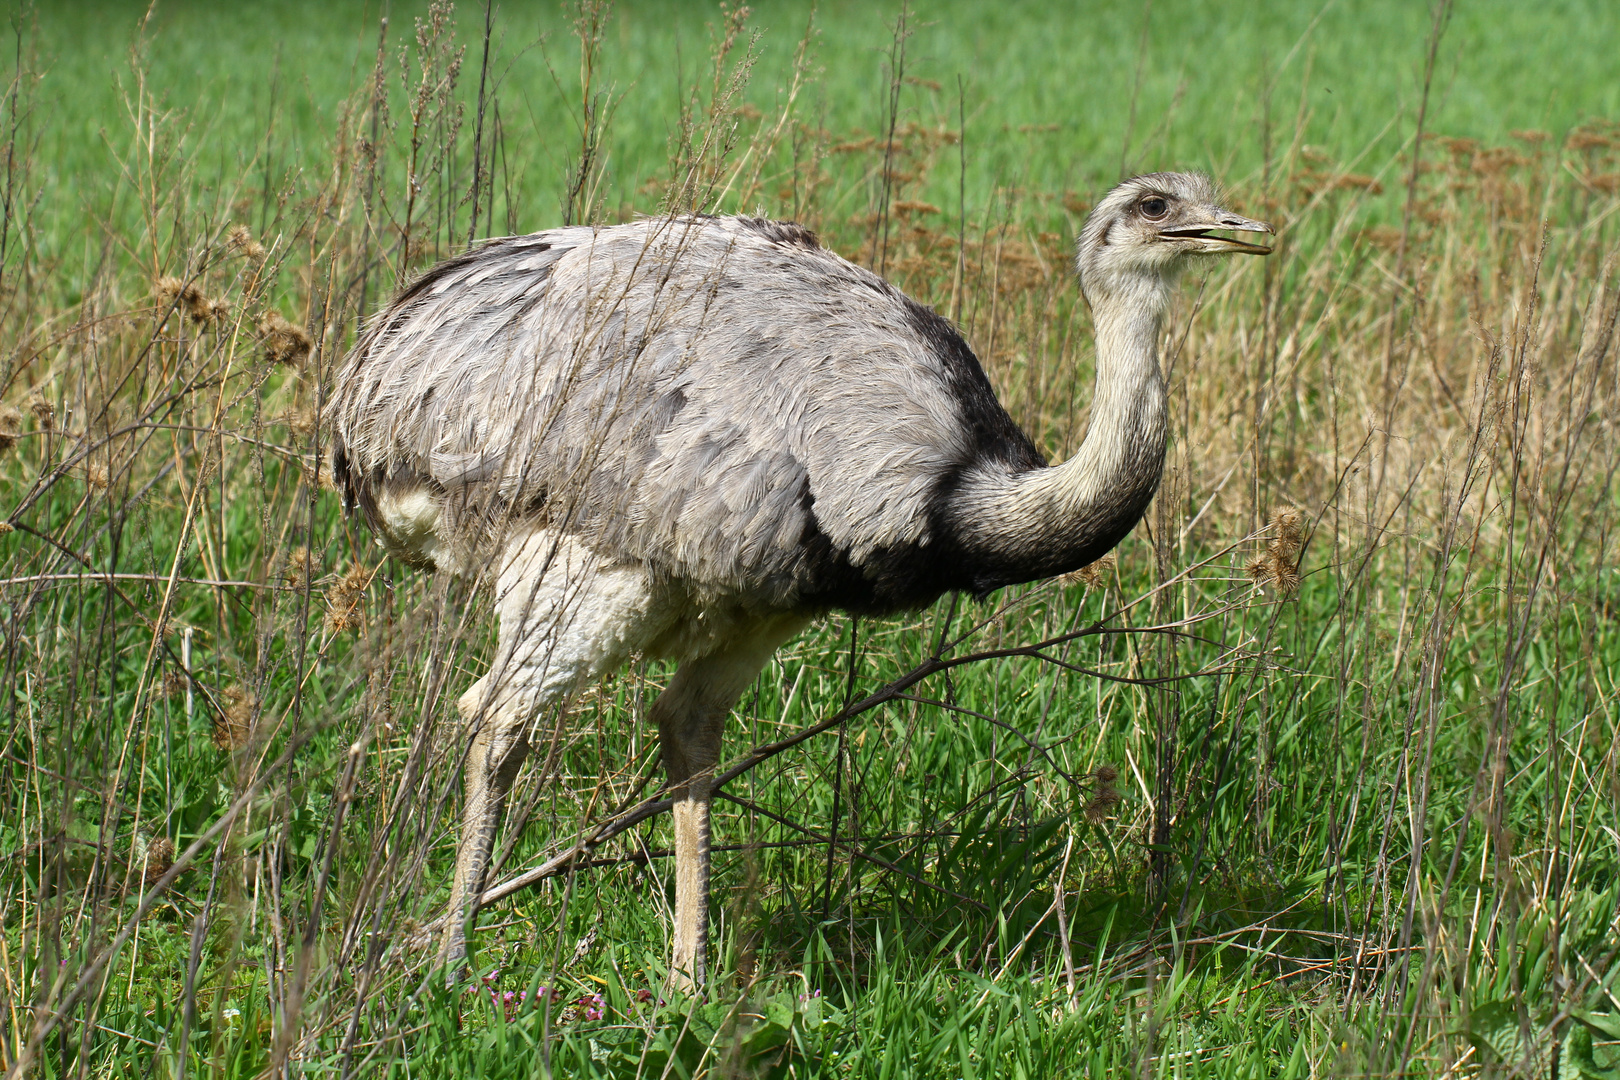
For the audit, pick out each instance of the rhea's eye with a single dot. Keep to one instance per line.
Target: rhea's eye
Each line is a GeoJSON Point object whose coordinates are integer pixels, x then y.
{"type": "Point", "coordinates": [1153, 207]}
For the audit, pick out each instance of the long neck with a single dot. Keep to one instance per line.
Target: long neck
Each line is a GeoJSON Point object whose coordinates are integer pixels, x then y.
{"type": "Point", "coordinates": [1020, 526]}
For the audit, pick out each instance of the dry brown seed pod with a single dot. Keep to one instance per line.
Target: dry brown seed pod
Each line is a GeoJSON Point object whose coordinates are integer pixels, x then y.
{"type": "Point", "coordinates": [296, 575]}
{"type": "Point", "coordinates": [343, 600]}
{"type": "Point", "coordinates": [175, 292]}
{"type": "Point", "coordinates": [300, 421]}
{"type": "Point", "coordinates": [240, 239]}
{"type": "Point", "coordinates": [159, 858]}
{"type": "Point", "coordinates": [44, 412]}
{"type": "Point", "coordinates": [905, 208]}
{"type": "Point", "coordinates": [1100, 803]}
{"type": "Point", "coordinates": [174, 683]}
{"type": "Point", "coordinates": [284, 343]}
{"type": "Point", "coordinates": [1093, 575]}
{"type": "Point", "coordinates": [234, 727]}
{"type": "Point", "coordinates": [1289, 524]}
{"type": "Point", "coordinates": [10, 427]}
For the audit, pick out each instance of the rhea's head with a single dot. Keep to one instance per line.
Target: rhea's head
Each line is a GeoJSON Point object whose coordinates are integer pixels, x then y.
{"type": "Point", "coordinates": [1143, 232]}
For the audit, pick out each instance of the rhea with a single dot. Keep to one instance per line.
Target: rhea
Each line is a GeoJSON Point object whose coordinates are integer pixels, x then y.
{"type": "Point", "coordinates": [686, 437]}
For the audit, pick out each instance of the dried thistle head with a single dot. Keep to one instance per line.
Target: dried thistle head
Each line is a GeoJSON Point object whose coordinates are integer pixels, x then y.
{"type": "Point", "coordinates": [1093, 575]}
{"type": "Point", "coordinates": [300, 421]}
{"type": "Point", "coordinates": [318, 473]}
{"type": "Point", "coordinates": [1103, 795]}
{"type": "Point", "coordinates": [10, 427]}
{"type": "Point", "coordinates": [1278, 565]}
{"type": "Point", "coordinates": [284, 343]}
{"type": "Point", "coordinates": [172, 291]}
{"type": "Point", "coordinates": [174, 683]}
{"type": "Point", "coordinates": [296, 575]}
{"type": "Point", "coordinates": [44, 412]}
{"type": "Point", "coordinates": [905, 209]}
{"type": "Point", "coordinates": [1289, 525]}
{"type": "Point", "coordinates": [1587, 138]}
{"type": "Point", "coordinates": [343, 600]}
{"type": "Point", "coordinates": [176, 292]}
{"type": "Point", "coordinates": [159, 859]}
{"type": "Point", "coordinates": [96, 474]}
{"type": "Point", "coordinates": [241, 240]}
{"type": "Point", "coordinates": [1285, 578]}
{"type": "Point", "coordinates": [233, 728]}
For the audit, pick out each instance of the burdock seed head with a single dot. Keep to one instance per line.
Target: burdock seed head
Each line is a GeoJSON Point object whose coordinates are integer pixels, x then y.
{"type": "Point", "coordinates": [159, 858]}
{"type": "Point", "coordinates": [1289, 523]}
{"type": "Point", "coordinates": [44, 412]}
{"type": "Point", "coordinates": [175, 292]}
{"type": "Point", "coordinates": [10, 427]}
{"type": "Point", "coordinates": [343, 601]}
{"type": "Point", "coordinates": [234, 727]}
{"type": "Point", "coordinates": [1103, 797]}
{"type": "Point", "coordinates": [174, 683]}
{"type": "Point", "coordinates": [240, 239]}
{"type": "Point", "coordinates": [1278, 565]}
{"type": "Point", "coordinates": [284, 343]}
{"type": "Point", "coordinates": [1093, 575]}
{"type": "Point", "coordinates": [297, 573]}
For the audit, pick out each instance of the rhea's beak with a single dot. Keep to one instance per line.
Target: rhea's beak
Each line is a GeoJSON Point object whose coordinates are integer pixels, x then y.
{"type": "Point", "coordinates": [1200, 236]}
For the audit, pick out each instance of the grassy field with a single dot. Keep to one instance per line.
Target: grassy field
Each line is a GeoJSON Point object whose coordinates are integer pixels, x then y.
{"type": "Point", "coordinates": [1361, 817]}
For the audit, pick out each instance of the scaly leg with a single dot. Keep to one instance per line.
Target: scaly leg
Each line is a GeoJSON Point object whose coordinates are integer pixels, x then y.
{"type": "Point", "coordinates": [564, 620]}
{"type": "Point", "coordinates": [691, 714]}
{"type": "Point", "coordinates": [691, 745]}
{"type": "Point", "coordinates": [496, 753]}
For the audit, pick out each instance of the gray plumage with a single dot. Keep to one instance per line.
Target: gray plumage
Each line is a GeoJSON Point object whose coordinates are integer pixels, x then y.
{"type": "Point", "coordinates": [721, 399]}
{"type": "Point", "coordinates": [685, 436]}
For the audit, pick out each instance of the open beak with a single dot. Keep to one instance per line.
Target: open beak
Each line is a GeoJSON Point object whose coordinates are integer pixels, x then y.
{"type": "Point", "coordinates": [1203, 238]}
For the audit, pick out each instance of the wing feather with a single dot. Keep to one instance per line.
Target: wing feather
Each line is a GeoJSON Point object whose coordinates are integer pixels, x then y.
{"type": "Point", "coordinates": [706, 396]}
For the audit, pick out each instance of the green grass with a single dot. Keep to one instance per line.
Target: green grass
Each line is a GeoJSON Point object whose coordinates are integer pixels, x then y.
{"type": "Point", "coordinates": [1050, 94]}
{"type": "Point", "coordinates": [1372, 832]}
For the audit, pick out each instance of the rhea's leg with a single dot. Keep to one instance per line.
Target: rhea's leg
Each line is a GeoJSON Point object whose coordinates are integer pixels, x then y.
{"type": "Point", "coordinates": [691, 715]}
{"type": "Point", "coordinates": [564, 620]}
{"type": "Point", "coordinates": [689, 759]}
{"type": "Point", "coordinates": [498, 748]}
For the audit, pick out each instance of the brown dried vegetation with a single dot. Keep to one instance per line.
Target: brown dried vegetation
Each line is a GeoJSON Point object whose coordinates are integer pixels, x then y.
{"type": "Point", "coordinates": [1423, 374]}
